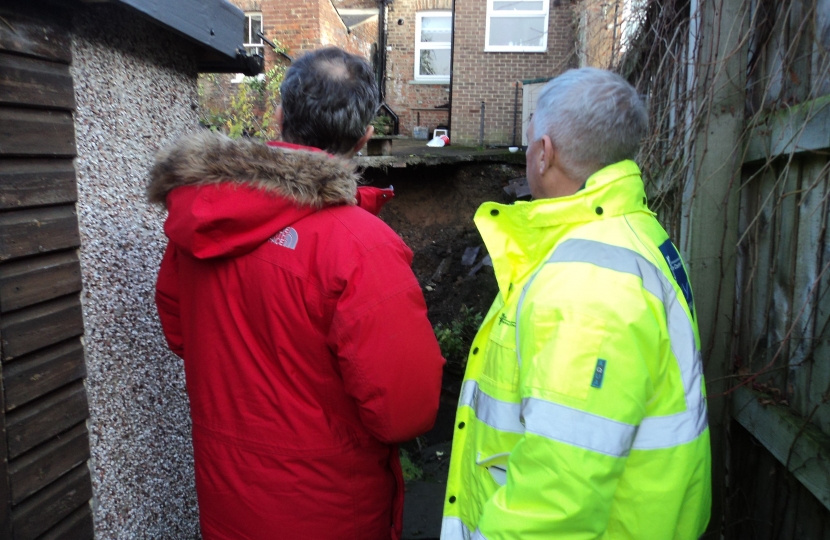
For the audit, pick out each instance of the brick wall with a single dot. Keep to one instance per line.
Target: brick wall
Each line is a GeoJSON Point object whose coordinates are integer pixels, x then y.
{"type": "Point", "coordinates": [294, 23]}
{"type": "Point", "coordinates": [491, 76]}
{"type": "Point", "coordinates": [305, 25]}
{"type": "Point", "coordinates": [600, 31]}
{"type": "Point", "coordinates": [334, 32]}
{"type": "Point", "coordinates": [404, 95]}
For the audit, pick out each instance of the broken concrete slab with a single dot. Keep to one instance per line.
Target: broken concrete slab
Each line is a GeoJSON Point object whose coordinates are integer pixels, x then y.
{"type": "Point", "coordinates": [470, 255]}
{"type": "Point", "coordinates": [486, 261]}
{"type": "Point", "coordinates": [518, 187]}
{"type": "Point", "coordinates": [441, 270]}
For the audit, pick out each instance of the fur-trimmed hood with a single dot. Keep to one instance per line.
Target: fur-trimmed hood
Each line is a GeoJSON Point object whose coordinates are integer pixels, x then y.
{"type": "Point", "coordinates": [309, 178]}
{"type": "Point", "coordinates": [227, 197]}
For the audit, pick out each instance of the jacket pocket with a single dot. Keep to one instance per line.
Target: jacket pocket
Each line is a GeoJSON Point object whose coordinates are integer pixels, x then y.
{"type": "Point", "coordinates": [496, 465]}
{"type": "Point", "coordinates": [501, 366]}
{"type": "Point", "coordinates": [565, 353]}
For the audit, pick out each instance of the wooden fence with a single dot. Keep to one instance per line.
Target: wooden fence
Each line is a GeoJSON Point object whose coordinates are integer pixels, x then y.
{"type": "Point", "coordinates": [45, 485]}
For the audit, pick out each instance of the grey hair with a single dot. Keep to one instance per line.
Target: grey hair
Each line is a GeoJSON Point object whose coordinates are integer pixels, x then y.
{"type": "Point", "coordinates": [329, 98]}
{"type": "Point", "coordinates": [593, 117]}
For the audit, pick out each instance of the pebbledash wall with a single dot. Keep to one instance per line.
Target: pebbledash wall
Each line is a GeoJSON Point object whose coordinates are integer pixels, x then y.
{"type": "Point", "coordinates": [410, 99]}
{"type": "Point", "coordinates": [491, 76]}
{"type": "Point", "coordinates": [135, 87]}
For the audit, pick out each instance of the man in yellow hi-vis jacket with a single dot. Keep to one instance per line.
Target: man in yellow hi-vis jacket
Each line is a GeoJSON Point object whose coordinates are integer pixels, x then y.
{"type": "Point", "coordinates": [582, 414]}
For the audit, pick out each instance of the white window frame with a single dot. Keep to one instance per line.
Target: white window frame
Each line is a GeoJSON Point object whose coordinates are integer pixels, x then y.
{"type": "Point", "coordinates": [508, 14]}
{"type": "Point", "coordinates": [251, 42]}
{"type": "Point", "coordinates": [419, 46]}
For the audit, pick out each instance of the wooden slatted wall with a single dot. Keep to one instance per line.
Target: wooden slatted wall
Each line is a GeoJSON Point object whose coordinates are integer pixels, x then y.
{"type": "Point", "coordinates": [45, 485]}
{"type": "Point", "coordinates": [780, 443]}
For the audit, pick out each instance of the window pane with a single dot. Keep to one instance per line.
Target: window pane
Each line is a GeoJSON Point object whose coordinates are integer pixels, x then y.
{"type": "Point", "coordinates": [247, 30]}
{"type": "Point", "coordinates": [435, 62]}
{"type": "Point", "coordinates": [510, 5]}
{"type": "Point", "coordinates": [256, 26]}
{"type": "Point", "coordinates": [518, 31]}
{"type": "Point", "coordinates": [436, 29]}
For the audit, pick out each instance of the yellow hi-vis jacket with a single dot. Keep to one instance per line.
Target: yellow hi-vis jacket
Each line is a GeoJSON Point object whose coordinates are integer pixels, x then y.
{"type": "Point", "coordinates": [582, 413]}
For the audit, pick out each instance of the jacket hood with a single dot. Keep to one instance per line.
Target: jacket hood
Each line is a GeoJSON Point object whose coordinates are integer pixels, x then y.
{"type": "Point", "coordinates": [226, 197]}
{"type": "Point", "coordinates": [309, 177]}
{"type": "Point", "coordinates": [519, 236]}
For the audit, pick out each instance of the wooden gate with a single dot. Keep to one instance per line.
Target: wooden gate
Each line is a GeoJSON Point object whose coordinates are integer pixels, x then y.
{"type": "Point", "coordinates": [45, 484]}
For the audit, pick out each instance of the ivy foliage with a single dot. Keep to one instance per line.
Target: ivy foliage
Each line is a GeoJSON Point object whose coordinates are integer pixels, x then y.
{"type": "Point", "coordinates": [247, 108]}
{"type": "Point", "coordinates": [456, 337]}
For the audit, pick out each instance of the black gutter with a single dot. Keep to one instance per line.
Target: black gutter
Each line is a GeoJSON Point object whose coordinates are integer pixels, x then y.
{"type": "Point", "coordinates": [382, 49]}
{"type": "Point", "coordinates": [273, 45]}
{"type": "Point", "coordinates": [215, 25]}
{"type": "Point", "coordinates": [382, 64]}
{"type": "Point", "coordinates": [452, 61]}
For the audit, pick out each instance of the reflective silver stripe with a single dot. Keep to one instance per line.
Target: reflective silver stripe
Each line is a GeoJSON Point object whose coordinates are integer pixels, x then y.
{"type": "Point", "coordinates": [452, 528]}
{"type": "Point", "coordinates": [578, 428]}
{"type": "Point", "coordinates": [657, 431]}
{"type": "Point", "coordinates": [501, 415]}
{"type": "Point", "coordinates": [478, 536]}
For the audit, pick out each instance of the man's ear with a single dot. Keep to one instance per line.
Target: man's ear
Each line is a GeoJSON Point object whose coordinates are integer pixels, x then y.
{"type": "Point", "coordinates": [547, 156]}
{"type": "Point", "coordinates": [279, 117]}
{"type": "Point", "coordinates": [363, 140]}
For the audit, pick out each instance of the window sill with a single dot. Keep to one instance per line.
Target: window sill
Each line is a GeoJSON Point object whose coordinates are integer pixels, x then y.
{"type": "Point", "coordinates": [433, 83]}
{"type": "Point", "coordinates": [521, 51]}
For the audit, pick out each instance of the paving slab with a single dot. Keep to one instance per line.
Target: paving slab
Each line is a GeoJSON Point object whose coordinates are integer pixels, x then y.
{"type": "Point", "coordinates": [424, 500]}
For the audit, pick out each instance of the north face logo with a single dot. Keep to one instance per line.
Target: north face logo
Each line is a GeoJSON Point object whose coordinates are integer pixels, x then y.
{"type": "Point", "coordinates": [287, 237]}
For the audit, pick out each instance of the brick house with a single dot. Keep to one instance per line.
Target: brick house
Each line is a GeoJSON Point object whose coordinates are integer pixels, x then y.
{"type": "Point", "coordinates": [441, 68]}
{"type": "Point", "coordinates": [305, 25]}
{"type": "Point", "coordinates": [297, 26]}
{"type": "Point", "coordinates": [434, 69]}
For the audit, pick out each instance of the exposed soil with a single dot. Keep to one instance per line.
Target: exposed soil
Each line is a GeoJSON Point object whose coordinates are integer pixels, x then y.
{"type": "Point", "coordinates": [433, 212]}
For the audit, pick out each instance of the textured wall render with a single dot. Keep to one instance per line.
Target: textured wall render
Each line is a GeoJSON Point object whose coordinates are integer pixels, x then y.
{"type": "Point", "coordinates": [135, 89]}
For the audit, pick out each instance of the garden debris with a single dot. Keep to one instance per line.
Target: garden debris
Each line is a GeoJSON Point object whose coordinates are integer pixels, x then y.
{"type": "Point", "coordinates": [486, 261]}
{"type": "Point", "coordinates": [518, 187]}
{"type": "Point", "coordinates": [442, 269]}
{"type": "Point", "coordinates": [470, 255]}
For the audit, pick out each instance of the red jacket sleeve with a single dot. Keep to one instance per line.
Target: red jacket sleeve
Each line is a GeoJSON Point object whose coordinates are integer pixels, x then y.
{"type": "Point", "coordinates": [389, 357]}
{"type": "Point", "coordinates": [372, 199]}
{"type": "Point", "coordinates": [167, 301]}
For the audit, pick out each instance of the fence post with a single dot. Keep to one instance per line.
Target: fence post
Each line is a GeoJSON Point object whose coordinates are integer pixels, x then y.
{"type": "Point", "coordinates": [710, 206]}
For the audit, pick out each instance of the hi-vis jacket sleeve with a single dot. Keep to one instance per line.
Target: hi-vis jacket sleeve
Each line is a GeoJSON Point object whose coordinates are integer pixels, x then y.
{"type": "Point", "coordinates": [167, 301]}
{"type": "Point", "coordinates": [584, 382]}
{"type": "Point", "coordinates": [389, 358]}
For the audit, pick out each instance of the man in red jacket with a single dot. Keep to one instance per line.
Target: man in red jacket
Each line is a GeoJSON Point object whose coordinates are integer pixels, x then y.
{"type": "Point", "coordinates": [308, 354]}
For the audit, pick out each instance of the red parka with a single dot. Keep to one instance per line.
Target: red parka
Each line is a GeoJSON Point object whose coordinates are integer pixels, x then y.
{"type": "Point", "coordinates": [308, 354]}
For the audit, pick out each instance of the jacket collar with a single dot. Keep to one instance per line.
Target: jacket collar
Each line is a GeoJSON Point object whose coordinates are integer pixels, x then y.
{"type": "Point", "coordinates": [521, 235]}
{"type": "Point", "coordinates": [306, 175]}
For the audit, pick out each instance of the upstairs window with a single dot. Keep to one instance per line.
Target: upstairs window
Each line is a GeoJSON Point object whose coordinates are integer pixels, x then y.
{"type": "Point", "coordinates": [517, 26]}
{"type": "Point", "coordinates": [433, 46]}
{"type": "Point", "coordinates": [253, 43]}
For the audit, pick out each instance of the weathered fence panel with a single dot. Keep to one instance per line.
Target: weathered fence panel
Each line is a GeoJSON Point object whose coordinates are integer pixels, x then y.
{"type": "Point", "coordinates": [782, 371]}
{"type": "Point", "coordinates": [45, 485]}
